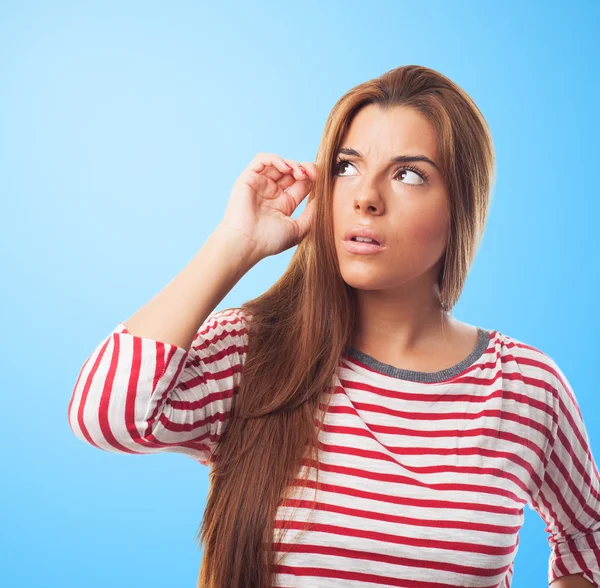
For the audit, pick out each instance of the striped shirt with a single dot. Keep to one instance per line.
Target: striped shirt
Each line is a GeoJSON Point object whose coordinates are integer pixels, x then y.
{"type": "Point", "coordinates": [424, 476]}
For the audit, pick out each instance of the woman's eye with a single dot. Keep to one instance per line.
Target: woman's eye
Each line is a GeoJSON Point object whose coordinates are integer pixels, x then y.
{"type": "Point", "coordinates": [416, 180]}
{"type": "Point", "coordinates": [340, 165]}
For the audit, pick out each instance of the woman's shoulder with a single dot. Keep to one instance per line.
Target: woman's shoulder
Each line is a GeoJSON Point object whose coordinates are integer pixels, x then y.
{"type": "Point", "coordinates": [520, 356]}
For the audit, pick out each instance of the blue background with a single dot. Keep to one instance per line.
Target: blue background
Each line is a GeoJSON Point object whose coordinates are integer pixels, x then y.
{"type": "Point", "coordinates": [123, 126]}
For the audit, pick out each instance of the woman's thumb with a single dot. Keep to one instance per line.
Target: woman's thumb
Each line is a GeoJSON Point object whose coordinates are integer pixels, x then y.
{"type": "Point", "coordinates": [305, 220]}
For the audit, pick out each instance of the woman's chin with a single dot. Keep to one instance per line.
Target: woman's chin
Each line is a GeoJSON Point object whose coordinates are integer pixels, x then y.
{"type": "Point", "coordinates": [364, 280]}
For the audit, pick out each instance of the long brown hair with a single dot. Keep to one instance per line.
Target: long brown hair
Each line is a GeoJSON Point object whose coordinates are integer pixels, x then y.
{"type": "Point", "coordinates": [301, 326]}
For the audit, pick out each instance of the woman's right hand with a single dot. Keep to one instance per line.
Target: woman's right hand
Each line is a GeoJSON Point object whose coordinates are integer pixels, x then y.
{"type": "Point", "coordinates": [262, 201]}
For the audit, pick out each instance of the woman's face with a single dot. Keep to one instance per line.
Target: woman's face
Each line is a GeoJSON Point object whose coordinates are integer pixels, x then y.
{"type": "Point", "coordinates": [408, 210]}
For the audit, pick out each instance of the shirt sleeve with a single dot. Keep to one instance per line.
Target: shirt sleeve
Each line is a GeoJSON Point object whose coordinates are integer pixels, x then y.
{"type": "Point", "coordinates": [568, 499]}
{"type": "Point", "coordinates": [136, 395]}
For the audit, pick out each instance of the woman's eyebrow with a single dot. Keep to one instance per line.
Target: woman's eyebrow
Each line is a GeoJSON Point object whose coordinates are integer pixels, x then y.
{"type": "Point", "coordinates": [397, 159]}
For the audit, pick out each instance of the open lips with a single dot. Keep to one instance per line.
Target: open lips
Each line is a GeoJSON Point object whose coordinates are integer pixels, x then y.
{"type": "Point", "coordinates": [363, 234]}
{"type": "Point", "coordinates": [365, 240]}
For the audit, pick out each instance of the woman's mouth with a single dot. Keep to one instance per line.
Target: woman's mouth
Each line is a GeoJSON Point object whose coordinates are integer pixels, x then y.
{"type": "Point", "coordinates": [362, 247]}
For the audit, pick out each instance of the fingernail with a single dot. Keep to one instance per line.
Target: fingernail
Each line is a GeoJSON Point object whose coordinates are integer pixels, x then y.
{"type": "Point", "coordinates": [288, 165]}
{"type": "Point", "coordinates": [303, 171]}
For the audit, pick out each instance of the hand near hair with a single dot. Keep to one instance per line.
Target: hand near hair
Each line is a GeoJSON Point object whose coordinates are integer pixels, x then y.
{"type": "Point", "coordinates": [262, 201]}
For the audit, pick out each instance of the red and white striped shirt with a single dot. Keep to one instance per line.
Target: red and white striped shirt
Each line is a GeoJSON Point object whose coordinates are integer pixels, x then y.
{"type": "Point", "coordinates": [424, 476]}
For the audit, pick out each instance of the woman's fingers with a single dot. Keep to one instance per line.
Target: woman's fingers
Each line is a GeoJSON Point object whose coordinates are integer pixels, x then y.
{"type": "Point", "coordinates": [285, 179]}
{"type": "Point", "coordinates": [286, 175]}
{"type": "Point", "coordinates": [305, 220]}
{"type": "Point", "coordinates": [263, 161]}
{"type": "Point", "coordinates": [300, 189]}
{"type": "Point", "coordinates": [297, 169]}
{"type": "Point", "coordinates": [261, 185]}
{"type": "Point", "coordinates": [311, 169]}
{"type": "Point", "coordinates": [292, 174]}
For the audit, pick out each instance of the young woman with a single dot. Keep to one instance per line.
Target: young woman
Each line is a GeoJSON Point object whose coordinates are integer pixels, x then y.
{"type": "Point", "coordinates": [357, 434]}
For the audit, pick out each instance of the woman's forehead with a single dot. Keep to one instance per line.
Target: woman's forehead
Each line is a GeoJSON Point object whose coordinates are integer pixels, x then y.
{"type": "Point", "coordinates": [376, 133]}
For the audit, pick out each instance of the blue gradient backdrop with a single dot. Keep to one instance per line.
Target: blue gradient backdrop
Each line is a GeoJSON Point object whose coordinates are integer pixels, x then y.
{"type": "Point", "coordinates": [123, 126]}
